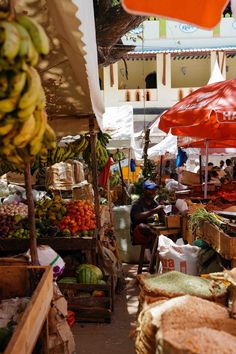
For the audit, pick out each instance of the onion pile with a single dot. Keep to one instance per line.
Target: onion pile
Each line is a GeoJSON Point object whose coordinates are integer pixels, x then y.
{"type": "Point", "coordinates": [13, 209]}
{"type": "Point", "coordinates": [7, 225]}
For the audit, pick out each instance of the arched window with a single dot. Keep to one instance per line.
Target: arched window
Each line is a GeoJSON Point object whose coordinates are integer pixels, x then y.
{"type": "Point", "coordinates": [151, 80]}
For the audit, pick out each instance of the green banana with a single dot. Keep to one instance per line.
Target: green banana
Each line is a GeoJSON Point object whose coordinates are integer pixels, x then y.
{"type": "Point", "coordinates": [11, 44]}
{"type": "Point", "coordinates": [27, 48]}
{"type": "Point", "coordinates": [34, 85]}
{"type": "Point", "coordinates": [36, 32]}
{"type": "Point", "coordinates": [25, 133]}
{"type": "Point", "coordinates": [8, 104]}
{"type": "Point", "coordinates": [36, 140]}
{"type": "Point", "coordinates": [17, 83]}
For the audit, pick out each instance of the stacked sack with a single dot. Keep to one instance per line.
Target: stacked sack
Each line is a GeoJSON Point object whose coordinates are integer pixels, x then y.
{"type": "Point", "coordinates": [24, 131]}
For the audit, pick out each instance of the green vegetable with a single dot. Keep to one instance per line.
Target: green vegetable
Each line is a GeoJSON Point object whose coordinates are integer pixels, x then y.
{"type": "Point", "coordinates": [197, 219]}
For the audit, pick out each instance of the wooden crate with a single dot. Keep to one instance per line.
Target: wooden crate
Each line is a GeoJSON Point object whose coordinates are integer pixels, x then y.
{"type": "Point", "coordinates": [211, 234]}
{"type": "Point", "coordinates": [90, 308]}
{"type": "Point", "coordinates": [173, 221]}
{"type": "Point", "coordinates": [190, 178]}
{"type": "Point", "coordinates": [36, 282]}
{"type": "Point", "coordinates": [227, 246]}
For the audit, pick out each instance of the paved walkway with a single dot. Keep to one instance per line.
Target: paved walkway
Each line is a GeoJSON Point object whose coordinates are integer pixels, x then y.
{"type": "Point", "coordinates": [112, 338]}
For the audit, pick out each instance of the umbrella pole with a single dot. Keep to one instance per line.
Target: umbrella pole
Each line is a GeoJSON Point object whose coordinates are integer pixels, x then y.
{"type": "Point", "coordinates": [200, 167]}
{"type": "Point", "coordinates": [206, 169]}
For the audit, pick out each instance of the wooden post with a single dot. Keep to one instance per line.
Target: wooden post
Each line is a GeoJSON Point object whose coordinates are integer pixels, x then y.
{"type": "Point", "coordinates": [31, 215]}
{"type": "Point", "coordinates": [94, 171]}
{"type": "Point", "coordinates": [161, 164]}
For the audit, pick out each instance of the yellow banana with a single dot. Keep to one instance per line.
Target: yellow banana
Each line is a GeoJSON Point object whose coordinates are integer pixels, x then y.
{"type": "Point", "coordinates": [7, 149]}
{"type": "Point", "coordinates": [23, 114]}
{"type": "Point", "coordinates": [36, 32]}
{"type": "Point", "coordinates": [41, 102]}
{"type": "Point", "coordinates": [15, 159]}
{"type": "Point", "coordinates": [11, 44]}
{"type": "Point", "coordinates": [36, 140]}
{"type": "Point", "coordinates": [34, 85]}
{"type": "Point", "coordinates": [6, 127]}
{"type": "Point", "coordinates": [8, 104]}
{"type": "Point", "coordinates": [3, 85]}
{"type": "Point", "coordinates": [18, 82]}
{"type": "Point", "coordinates": [25, 133]}
{"type": "Point", "coordinates": [49, 137]}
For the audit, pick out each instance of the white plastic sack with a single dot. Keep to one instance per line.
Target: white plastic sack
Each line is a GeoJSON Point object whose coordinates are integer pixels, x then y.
{"type": "Point", "coordinates": [182, 258]}
{"type": "Point", "coordinates": [47, 256]}
{"type": "Point", "coordinates": [181, 205]}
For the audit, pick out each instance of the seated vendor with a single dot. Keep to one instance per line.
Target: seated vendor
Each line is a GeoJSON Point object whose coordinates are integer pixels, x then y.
{"type": "Point", "coordinates": [142, 213]}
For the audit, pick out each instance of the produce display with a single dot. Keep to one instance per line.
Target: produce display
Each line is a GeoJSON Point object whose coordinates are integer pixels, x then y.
{"type": "Point", "coordinates": [80, 218]}
{"type": "Point", "coordinates": [24, 131]}
{"type": "Point", "coordinates": [84, 274]}
{"type": "Point", "coordinates": [201, 215]}
{"type": "Point", "coordinates": [14, 208]}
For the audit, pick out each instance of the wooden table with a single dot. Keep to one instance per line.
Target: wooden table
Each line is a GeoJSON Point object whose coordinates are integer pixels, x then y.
{"type": "Point", "coordinates": [159, 230]}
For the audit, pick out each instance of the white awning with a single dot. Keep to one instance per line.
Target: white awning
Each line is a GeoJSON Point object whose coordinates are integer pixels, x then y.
{"type": "Point", "coordinates": [70, 72]}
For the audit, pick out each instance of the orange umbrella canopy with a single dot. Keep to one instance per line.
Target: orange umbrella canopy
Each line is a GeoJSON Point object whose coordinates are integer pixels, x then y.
{"type": "Point", "coordinates": [202, 13]}
{"type": "Point", "coordinates": [207, 113]}
{"type": "Point", "coordinates": [212, 144]}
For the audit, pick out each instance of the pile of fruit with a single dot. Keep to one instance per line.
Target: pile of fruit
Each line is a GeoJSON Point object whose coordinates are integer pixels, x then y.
{"type": "Point", "coordinates": [84, 274]}
{"type": "Point", "coordinates": [24, 131]}
{"type": "Point", "coordinates": [80, 218]}
{"type": "Point", "coordinates": [53, 209]}
{"type": "Point", "coordinates": [101, 151]}
{"type": "Point", "coordinates": [14, 208]}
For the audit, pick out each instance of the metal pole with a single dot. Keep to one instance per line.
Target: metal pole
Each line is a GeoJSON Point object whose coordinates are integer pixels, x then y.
{"type": "Point", "coordinates": [206, 169]}
{"type": "Point", "coordinates": [200, 167]}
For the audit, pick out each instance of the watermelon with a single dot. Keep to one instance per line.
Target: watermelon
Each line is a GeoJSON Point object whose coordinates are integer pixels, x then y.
{"type": "Point", "coordinates": [88, 274]}
{"type": "Point", "coordinates": [68, 280]}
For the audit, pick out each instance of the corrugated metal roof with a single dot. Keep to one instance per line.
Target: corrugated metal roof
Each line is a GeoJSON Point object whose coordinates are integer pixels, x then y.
{"type": "Point", "coordinates": [181, 50]}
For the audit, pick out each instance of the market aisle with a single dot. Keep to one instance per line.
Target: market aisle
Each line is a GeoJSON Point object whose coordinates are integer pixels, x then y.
{"type": "Point", "coordinates": [112, 338]}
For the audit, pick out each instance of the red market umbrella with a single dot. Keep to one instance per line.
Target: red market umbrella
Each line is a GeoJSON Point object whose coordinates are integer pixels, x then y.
{"type": "Point", "coordinates": [202, 13]}
{"type": "Point", "coordinates": [208, 114]}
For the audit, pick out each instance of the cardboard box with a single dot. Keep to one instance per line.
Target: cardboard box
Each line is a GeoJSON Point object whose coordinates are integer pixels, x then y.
{"type": "Point", "coordinates": [172, 221]}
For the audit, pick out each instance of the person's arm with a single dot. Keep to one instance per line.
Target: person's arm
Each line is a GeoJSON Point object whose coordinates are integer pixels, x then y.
{"type": "Point", "coordinates": [139, 215]}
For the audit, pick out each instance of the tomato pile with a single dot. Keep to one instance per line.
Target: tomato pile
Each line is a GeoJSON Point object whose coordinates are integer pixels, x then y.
{"type": "Point", "coordinates": [80, 216]}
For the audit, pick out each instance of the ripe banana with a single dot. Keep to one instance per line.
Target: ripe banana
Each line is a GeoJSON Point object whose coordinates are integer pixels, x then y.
{"type": "Point", "coordinates": [36, 140]}
{"type": "Point", "coordinates": [17, 83]}
{"type": "Point", "coordinates": [8, 104]}
{"type": "Point", "coordinates": [49, 137]}
{"type": "Point", "coordinates": [25, 133]}
{"type": "Point", "coordinates": [41, 102]}
{"type": "Point", "coordinates": [11, 44]}
{"type": "Point", "coordinates": [3, 85]}
{"type": "Point", "coordinates": [34, 85]}
{"type": "Point", "coordinates": [37, 34]}
{"type": "Point", "coordinates": [23, 114]}
{"type": "Point", "coordinates": [6, 127]}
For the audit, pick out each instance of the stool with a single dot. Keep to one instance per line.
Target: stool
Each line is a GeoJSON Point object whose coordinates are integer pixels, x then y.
{"type": "Point", "coordinates": [141, 259]}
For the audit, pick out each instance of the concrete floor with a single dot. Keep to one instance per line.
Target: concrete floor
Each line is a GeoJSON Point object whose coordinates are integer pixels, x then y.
{"type": "Point", "coordinates": [112, 338]}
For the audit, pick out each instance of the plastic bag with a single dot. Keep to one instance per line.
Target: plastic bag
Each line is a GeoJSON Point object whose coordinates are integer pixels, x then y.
{"type": "Point", "coordinates": [182, 258]}
{"type": "Point", "coordinates": [47, 256]}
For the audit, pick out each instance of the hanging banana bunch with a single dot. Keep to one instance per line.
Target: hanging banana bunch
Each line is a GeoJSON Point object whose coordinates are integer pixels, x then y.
{"type": "Point", "coordinates": [101, 151]}
{"type": "Point", "coordinates": [24, 130]}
